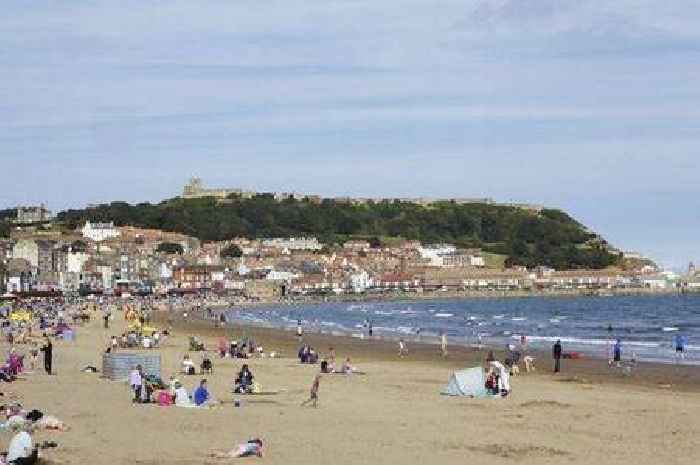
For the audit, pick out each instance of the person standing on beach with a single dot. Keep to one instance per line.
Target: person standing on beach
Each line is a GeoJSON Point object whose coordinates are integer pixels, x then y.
{"type": "Point", "coordinates": [403, 350]}
{"type": "Point", "coordinates": [556, 353]}
{"type": "Point", "coordinates": [48, 355]}
{"type": "Point", "coordinates": [617, 352]}
{"type": "Point", "coordinates": [136, 381]}
{"type": "Point", "coordinates": [443, 344]}
{"type": "Point", "coordinates": [300, 330]}
{"type": "Point", "coordinates": [679, 342]}
{"type": "Point", "coordinates": [370, 329]}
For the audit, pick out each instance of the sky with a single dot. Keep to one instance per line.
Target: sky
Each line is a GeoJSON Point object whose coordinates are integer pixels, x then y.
{"type": "Point", "coordinates": [591, 106]}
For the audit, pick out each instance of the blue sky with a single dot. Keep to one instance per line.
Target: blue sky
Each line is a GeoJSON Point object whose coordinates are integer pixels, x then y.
{"type": "Point", "coordinates": [589, 105]}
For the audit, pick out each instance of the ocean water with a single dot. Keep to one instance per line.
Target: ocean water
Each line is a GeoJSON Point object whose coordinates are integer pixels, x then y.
{"type": "Point", "coordinates": [646, 325]}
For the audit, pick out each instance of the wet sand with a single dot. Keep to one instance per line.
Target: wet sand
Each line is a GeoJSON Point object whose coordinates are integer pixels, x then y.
{"type": "Point", "coordinates": [393, 414]}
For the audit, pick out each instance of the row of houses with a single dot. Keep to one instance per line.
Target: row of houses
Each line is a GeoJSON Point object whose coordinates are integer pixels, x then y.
{"type": "Point", "coordinates": [103, 257]}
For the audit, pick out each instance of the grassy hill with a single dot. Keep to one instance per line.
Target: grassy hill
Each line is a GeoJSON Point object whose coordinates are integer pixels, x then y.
{"type": "Point", "coordinates": [550, 237]}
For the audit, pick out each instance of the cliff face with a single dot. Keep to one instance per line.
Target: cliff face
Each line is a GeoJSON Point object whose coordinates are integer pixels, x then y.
{"type": "Point", "coordinates": [527, 237]}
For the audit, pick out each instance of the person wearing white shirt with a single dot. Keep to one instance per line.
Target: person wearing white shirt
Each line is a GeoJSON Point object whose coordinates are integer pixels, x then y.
{"type": "Point", "coordinates": [182, 398]}
{"type": "Point", "coordinates": [21, 450]}
{"type": "Point", "coordinates": [187, 365]}
{"type": "Point", "coordinates": [135, 381]}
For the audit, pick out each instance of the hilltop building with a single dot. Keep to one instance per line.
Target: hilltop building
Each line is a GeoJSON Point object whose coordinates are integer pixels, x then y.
{"type": "Point", "coordinates": [195, 189]}
{"type": "Point", "coordinates": [32, 215]}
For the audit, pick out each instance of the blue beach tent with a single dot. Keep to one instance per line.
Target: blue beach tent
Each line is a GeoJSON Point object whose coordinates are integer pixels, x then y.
{"type": "Point", "coordinates": [469, 382]}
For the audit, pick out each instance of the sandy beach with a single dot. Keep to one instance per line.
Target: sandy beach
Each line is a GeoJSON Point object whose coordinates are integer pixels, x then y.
{"type": "Point", "coordinates": [393, 414]}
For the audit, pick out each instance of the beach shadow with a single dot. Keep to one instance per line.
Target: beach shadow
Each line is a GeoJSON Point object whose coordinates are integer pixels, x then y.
{"type": "Point", "coordinates": [545, 404]}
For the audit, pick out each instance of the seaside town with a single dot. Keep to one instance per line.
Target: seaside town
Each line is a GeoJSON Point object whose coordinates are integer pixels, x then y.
{"type": "Point", "coordinates": [42, 257]}
{"type": "Point", "coordinates": [349, 233]}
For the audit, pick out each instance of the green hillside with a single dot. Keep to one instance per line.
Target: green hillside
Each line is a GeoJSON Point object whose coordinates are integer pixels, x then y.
{"type": "Point", "coordinates": [550, 237]}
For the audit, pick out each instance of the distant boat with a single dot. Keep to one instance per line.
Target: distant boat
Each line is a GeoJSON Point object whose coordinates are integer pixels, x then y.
{"type": "Point", "coordinates": [669, 329]}
{"type": "Point", "coordinates": [443, 315]}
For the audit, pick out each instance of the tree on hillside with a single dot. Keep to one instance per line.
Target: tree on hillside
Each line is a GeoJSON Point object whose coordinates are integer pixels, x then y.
{"type": "Point", "coordinates": [548, 237]}
{"type": "Point", "coordinates": [375, 243]}
{"type": "Point", "coordinates": [170, 248]}
{"type": "Point", "coordinates": [232, 251]}
{"type": "Point", "coordinates": [4, 229]}
{"type": "Point", "coordinates": [79, 246]}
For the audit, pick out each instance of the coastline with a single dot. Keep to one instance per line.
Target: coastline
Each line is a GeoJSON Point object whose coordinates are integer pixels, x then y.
{"type": "Point", "coordinates": [586, 370]}
{"type": "Point", "coordinates": [457, 295]}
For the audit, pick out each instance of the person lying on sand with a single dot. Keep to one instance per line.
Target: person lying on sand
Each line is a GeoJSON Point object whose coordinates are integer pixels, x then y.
{"type": "Point", "coordinates": [252, 448]}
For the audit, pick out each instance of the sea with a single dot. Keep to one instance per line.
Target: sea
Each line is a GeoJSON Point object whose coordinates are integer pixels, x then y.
{"type": "Point", "coordinates": [647, 326]}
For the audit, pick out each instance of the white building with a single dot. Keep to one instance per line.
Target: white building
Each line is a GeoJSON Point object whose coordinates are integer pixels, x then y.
{"type": "Point", "coordinates": [275, 275]}
{"type": "Point", "coordinates": [100, 231]}
{"type": "Point", "coordinates": [293, 243]}
{"type": "Point", "coordinates": [166, 272]}
{"type": "Point", "coordinates": [360, 282]}
{"type": "Point", "coordinates": [75, 261]}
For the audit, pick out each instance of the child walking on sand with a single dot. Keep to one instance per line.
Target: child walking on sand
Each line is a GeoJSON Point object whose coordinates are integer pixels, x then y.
{"type": "Point", "coordinates": [313, 398]}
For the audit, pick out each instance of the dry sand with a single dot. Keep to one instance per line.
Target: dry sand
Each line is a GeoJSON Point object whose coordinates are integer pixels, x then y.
{"type": "Point", "coordinates": [394, 414]}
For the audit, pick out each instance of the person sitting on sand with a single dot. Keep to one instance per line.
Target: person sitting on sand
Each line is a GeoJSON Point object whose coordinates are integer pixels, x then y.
{"type": "Point", "coordinates": [201, 394]}
{"type": "Point", "coordinates": [491, 384]}
{"type": "Point", "coordinates": [244, 381]}
{"type": "Point", "coordinates": [324, 366]}
{"type": "Point", "coordinates": [347, 367]}
{"type": "Point", "coordinates": [182, 398]}
{"type": "Point", "coordinates": [223, 347]}
{"type": "Point", "coordinates": [187, 365]}
{"type": "Point", "coordinates": [172, 382]}
{"type": "Point", "coordinates": [304, 353]}
{"type": "Point", "coordinates": [21, 450]}
{"type": "Point", "coordinates": [252, 448]}
{"type": "Point", "coordinates": [313, 357]}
